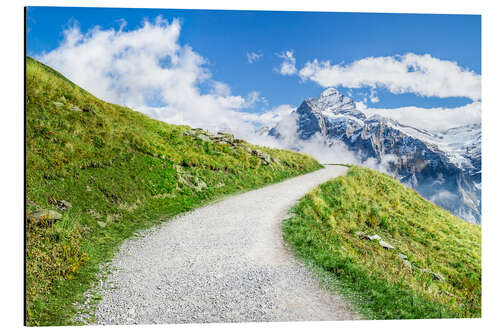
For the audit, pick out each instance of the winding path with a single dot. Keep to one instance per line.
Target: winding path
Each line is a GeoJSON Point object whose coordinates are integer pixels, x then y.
{"type": "Point", "coordinates": [225, 262]}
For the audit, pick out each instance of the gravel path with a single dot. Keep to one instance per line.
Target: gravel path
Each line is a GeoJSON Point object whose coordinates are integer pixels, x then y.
{"type": "Point", "coordinates": [225, 262]}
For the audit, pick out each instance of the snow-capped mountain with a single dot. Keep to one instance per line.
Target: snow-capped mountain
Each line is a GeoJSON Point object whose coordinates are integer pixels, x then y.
{"type": "Point", "coordinates": [444, 167]}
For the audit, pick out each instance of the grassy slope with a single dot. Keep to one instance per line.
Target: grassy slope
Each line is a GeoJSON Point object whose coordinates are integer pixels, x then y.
{"type": "Point", "coordinates": [118, 167]}
{"type": "Point", "coordinates": [322, 232]}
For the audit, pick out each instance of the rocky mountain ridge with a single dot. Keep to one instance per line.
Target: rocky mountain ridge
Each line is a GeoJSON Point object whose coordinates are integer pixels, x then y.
{"type": "Point", "coordinates": [444, 167]}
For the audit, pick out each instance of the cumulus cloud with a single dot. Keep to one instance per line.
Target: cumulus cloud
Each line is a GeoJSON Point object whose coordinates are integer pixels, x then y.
{"type": "Point", "coordinates": [252, 57]}
{"type": "Point", "coordinates": [373, 96]}
{"type": "Point", "coordinates": [434, 119]}
{"type": "Point", "coordinates": [423, 75]}
{"type": "Point", "coordinates": [287, 66]}
{"type": "Point", "coordinates": [148, 70]}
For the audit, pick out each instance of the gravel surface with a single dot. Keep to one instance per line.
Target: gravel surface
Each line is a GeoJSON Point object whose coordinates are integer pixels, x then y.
{"type": "Point", "coordinates": [225, 262]}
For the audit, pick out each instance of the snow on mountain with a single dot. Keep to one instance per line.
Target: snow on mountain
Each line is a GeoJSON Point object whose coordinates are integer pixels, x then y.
{"type": "Point", "coordinates": [445, 167]}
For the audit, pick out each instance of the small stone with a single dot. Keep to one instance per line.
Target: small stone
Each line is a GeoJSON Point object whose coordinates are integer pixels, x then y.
{"type": "Point", "coordinates": [45, 215]}
{"type": "Point", "coordinates": [58, 104]}
{"type": "Point", "coordinates": [385, 245]}
{"type": "Point", "coordinates": [402, 256]}
{"type": "Point", "coordinates": [75, 108]}
{"type": "Point", "coordinates": [64, 205]}
{"type": "Point", "coordinates": [101, 224]}
{"type": "Point", "coordinates": [30, 203]}
{"type": "Point", "coordinates": [407, 264]}
{"type": "Point", "coordinates": [361, 235]}
{"type": "Point", "coordinates": [435, 276]}
{"type": "Point", "coordinates": [374, 237]}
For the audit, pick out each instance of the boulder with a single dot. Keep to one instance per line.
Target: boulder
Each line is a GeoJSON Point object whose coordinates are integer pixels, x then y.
{"type": "Point", "coordinates": [44, 215]}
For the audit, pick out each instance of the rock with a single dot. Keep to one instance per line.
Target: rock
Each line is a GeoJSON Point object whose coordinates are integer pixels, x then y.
{"type": "Point", "coordinates": [30, 203]}
{"type": "Point", "coordinates": [75, 108]}
{"type": "Point", "coordinates": [276, 160]}
{"type": "Point", "coordinates": [374, 237]}
{"type": "Point", "coordinates": [266, 157]}
{"type": "Point", "coordinates": [190, 180]}
{"type": "Point", "coordinates": [58, 104]}
{"type": "Point", "coordinates": [248, 150]}
{"type": "Point", "coordinates": [361, 235]}
{"type": "Point", "coordinates": [402, 256]}
{"type": "Point", "coordinates": [435, 276]}
{"type": "Point", "coordinates": [262, 155]}
{"type": "Point", "coordinates": [407, 264]}
{"type": "Point", "coordinates": [203, 137]}
{"type": "Point", "coordinates": [64, 205]}
{"type": "Point", "coordinates": [189, 133]}
{"type": "Point", "coordinates": [101, 224]}
{"type": "Point", "coordinates": [44, 215]}
{"type": "Point", "coordinates": [385, 245]}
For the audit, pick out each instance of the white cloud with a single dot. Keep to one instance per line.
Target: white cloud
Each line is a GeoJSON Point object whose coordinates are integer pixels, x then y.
{"type": "Point", "coordinates": [287, 66]}
{"type": "Point", "coordinates": [270, 117]}
{"type": "Point", "coordinates": [252, 57]}
{"type": "Point", "coordinates": [373, 96]}
{"type": "Point", "coordinates": [423, 75]}
{"type": "Point", "coordinates": [434, 119]}
{"type": "Point", "coordinates": [148, 70]}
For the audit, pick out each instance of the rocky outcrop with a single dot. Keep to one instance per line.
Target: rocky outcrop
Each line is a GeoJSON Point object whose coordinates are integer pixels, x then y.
{"type": "Point", "coordinates": [230, 140]}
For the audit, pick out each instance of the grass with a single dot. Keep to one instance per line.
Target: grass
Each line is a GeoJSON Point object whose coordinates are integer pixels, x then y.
{"type": "Point", "coordinates": [122, 171]}
{"type": "Point", "coordinates": [322, 231]}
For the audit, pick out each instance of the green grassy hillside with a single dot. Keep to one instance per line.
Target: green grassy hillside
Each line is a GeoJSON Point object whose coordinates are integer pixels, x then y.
{"type": "Point", "coordinates": [120, 171]}
{"type": "Point", "coordinates": [441, 276]}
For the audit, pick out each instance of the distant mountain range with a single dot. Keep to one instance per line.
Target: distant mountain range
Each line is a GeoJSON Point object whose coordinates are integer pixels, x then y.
{"type": "Point", "coordinates": [444, 167]}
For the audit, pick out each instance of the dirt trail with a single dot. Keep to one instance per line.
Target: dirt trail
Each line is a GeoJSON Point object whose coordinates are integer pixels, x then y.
{"type": "Point", "coordinates": [225, 262]}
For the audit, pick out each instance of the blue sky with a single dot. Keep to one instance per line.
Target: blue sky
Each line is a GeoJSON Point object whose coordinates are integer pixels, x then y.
{"type": "Point", "coordinates": [223, 39]}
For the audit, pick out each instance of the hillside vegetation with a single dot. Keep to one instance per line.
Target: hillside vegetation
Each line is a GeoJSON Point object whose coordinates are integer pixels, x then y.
{"type": "Point", "coordinates": [391, 251]}
{"type": "Point", "coordinates": [104, 171]}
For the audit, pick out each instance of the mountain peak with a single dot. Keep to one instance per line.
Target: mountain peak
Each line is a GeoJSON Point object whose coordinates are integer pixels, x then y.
{"type": "Point", "coordinates": [329, 92]}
